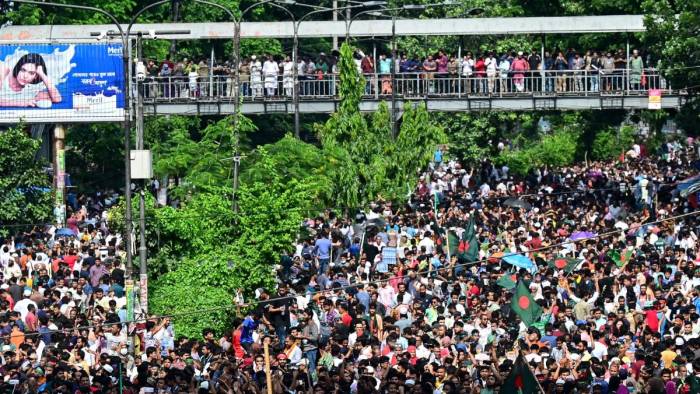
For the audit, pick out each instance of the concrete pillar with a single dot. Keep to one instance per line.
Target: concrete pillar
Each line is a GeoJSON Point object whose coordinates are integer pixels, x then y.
{"type": "Point", "coordinates": [59, 171]}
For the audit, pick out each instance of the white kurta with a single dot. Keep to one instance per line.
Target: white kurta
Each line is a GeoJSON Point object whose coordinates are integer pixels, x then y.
{"type": "Point", "coordinates": [270, 70]}
{"type": "Point", "coordinates": [288, 75]}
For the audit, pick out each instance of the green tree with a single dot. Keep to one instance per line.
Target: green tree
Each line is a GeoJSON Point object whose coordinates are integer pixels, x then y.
{"type": "Point", "coordinates": [672, 29]}
{"type": "Point", "coordinates": [223, 251]}
{"type": "Point", "coordinates": [610, 143]}
{"type": "Point", "coordinates": [372, 163]}
{"type": "Point", "coordinates": [25, 196]}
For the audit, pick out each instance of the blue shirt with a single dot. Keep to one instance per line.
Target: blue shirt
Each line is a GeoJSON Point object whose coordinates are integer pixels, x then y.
{"type": "Point", "coordinates": [322, 248]}
{"type": "Point", "coordinates": [249, 325]}
{"type": "Point", "coordinates": [385, 66]}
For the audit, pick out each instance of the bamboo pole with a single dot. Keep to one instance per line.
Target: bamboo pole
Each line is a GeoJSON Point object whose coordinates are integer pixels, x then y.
{"type": "Point", "coordinates": [268, 374]}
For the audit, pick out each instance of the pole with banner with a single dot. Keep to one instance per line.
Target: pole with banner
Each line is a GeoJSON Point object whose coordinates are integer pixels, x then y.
{"type": "Point", "coordinates": [129, 288]}
{"type": "Point", "coordinates": [654, 99]}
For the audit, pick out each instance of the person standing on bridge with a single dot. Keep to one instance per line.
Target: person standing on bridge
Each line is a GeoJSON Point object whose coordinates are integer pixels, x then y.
{"type": "Point", "coordinates": [288, 76]}
{"type": "Point", "coordinates": [636, 66]}
{"type": "Point", "coordinates": [255, 77]}
{"type": "Point", "coordinates": [519, 68]}
{"type": "Point", "coordinates": [491, 71]}
{"type": "Point", "coordinates": [271, 72]}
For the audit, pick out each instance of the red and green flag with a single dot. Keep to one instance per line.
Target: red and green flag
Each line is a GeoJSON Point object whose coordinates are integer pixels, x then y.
{"type": "Point", "coordinates": [525, 306]}
{"type": "Point", "coordinates": [567, 264]}
{"type": "Point", "coordinates": [620, 259]}
{"type": "Point", "coordinates": [521, 380]}
{"type": "Point", "coordinates": [507, 281]}
{"type": "Point", "coordinates": [468, 248]}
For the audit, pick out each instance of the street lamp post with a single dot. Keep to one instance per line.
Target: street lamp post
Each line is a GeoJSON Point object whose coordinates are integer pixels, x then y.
{"type": "Point", "coordinates": [393, 11]}
{"type": "Point", "coordinates": [295, 45]}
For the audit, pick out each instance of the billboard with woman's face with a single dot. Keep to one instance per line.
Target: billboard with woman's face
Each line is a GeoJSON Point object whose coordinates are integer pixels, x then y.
{"type": "Point", "coordinates": [61, 83]}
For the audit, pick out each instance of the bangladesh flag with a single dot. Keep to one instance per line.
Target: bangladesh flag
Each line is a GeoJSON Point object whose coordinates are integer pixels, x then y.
{"type": "Point", "coordinates": [525, 306]}
{"type": "Point", "coordinates": [620, 259]}
{"type": "Point", "coordinates": [567, 264]}
{"type": "Point", "coordinates": [507, 281]}
{"type": "Point", "coordinates": [468, 249]}
{"type": "Point", "coordinates": [453, 243]}
{"type": "Point", "coordinates": [520, 380]}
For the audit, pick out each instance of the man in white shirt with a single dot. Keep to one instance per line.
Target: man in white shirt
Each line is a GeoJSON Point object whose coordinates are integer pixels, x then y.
{"type": "Point", "coordinates": [491, 71]}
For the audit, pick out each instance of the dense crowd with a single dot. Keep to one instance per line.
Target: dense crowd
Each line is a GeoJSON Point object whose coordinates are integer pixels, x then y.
{"type": "Point", "coordinates": [388, 301]}
{"type": "Point", "coordinates": [481, 73]}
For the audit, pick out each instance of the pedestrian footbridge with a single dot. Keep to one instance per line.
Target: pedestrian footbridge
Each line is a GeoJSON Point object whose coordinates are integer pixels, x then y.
{"type": "Point", "coordinates": [551, 90]}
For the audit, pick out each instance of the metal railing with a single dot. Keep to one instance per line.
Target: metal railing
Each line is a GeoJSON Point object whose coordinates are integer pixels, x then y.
{"type": "Point", "coordinates": [570, 83]}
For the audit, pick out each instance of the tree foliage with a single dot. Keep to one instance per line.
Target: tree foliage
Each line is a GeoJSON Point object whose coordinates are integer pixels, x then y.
{"type": "Point", "coordinates": [673, 33]}
{"type": "Point", "coordinates": [25, 196]}
{"type": "Point", "coordinates": [370, 162]}
{"type": "Point", "coordinates": [611, 142]}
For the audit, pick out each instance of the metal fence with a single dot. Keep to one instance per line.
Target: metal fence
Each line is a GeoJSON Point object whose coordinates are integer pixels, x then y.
{"type": "Point", "coordinates": [410, 85]}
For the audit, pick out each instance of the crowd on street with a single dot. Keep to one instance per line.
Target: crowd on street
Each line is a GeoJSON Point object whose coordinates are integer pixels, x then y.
{"type": "Point", "coordinates": [581, 279]}
{"type": "Point", "coordinates": [484, 73]}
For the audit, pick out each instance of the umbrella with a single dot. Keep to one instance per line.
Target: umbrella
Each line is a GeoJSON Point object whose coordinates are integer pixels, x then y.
{"type": "Point", "coordinates": [376, 222]}
{"type": "Point", "coordinates": [520, 261]}
{"type": "Point", "coordinates": [65, 232]}
{"type": "Point", "coordinates": [517, 203]}
{"type": "Point", "coordinates": [582, 235]}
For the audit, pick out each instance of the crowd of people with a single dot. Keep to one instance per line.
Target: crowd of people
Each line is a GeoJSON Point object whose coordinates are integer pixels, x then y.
{"type": "Point", "coordinates": [381, 302]}
{"type": "Point", "coordinates": [486, 73]}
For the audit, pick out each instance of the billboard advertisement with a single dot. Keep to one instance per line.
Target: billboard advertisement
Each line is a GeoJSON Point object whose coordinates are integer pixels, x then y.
{"type": "Point", "coordinates": [61, 83]}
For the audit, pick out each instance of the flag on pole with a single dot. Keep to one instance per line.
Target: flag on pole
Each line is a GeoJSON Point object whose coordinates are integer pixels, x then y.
{"type": "Point", "coordinates": [468, 249]}
{"type": "Point", "coordinates": [525, 306]}
{"type": "Point", "coordinates": [620, 259]}
{"type": "Point", "coordinates": [520, 380]}
{"type": "Point", "coordinates": [567, 264]}
{"type": "Point", "coordinates": [507, 281]}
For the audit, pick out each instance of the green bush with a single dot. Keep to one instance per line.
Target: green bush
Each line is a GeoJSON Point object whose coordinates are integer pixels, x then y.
{"type": "Point", "coordinates": [607, 146]}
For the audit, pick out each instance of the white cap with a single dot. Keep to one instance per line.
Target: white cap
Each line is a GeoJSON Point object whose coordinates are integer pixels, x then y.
{"type": "Point", "coordinates": [108, 368]}
{"type": "Point", "coordinates": [253, 57]}
{"type": "Point", "coordinates": [27, 292]}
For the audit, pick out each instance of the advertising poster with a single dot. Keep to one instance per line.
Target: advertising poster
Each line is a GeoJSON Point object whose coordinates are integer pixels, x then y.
{"type": "Point", "coordinates": [654, 99]}
{"type": "Point", "coordinates": [51, 83]}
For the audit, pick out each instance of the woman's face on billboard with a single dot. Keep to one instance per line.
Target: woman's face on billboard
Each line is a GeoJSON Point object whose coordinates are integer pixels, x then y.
{"type": "Point", "coordinates": [27, 74]}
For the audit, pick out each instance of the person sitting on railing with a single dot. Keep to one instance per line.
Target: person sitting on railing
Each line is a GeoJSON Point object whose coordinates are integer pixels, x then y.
{"type": "Point", "coordinates": [636, 70]}
{"type": "Point", "coordinates": [385, 72]}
